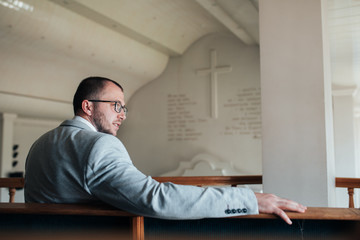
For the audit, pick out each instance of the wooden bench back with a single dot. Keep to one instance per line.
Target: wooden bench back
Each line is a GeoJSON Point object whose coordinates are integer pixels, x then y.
{"type": "Point", "coordinates": [12, 184]}
{"type": "Point", "coordinates": [350, 184]}
{"type": "Point", "coordinates": [137, 221]}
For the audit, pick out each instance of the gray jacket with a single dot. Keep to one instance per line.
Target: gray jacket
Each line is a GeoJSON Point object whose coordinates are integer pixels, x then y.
{"type": "Point", "coordinates": [72, 164]}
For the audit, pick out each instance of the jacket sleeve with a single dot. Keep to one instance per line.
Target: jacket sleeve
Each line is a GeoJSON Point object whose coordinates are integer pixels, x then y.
{"type": "Point", "coordinates": [112, 178]}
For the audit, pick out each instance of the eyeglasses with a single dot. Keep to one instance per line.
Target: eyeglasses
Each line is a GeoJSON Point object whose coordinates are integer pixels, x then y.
{"type": "Point", "coordinates": [117, 106]}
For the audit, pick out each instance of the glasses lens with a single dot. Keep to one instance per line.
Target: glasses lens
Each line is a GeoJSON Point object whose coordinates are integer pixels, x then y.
{"type": "Point", "coordinates": [118, 108]}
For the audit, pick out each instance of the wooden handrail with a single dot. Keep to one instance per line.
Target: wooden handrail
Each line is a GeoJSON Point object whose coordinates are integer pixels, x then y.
{"type": "Point", "coordinates": [350, 184]}
{"type": "Point", "coordinates": [63, 209]}
{"type": "Point", "coordinates": [312, 213]}
{"type": "Point", "coordinates": [212, 180]}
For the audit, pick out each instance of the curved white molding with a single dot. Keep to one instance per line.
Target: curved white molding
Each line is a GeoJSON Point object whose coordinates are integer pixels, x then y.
{"type": "Point", "coordinates": [338, 90]}
{"type": "Point", "coordinates": [204, 164]}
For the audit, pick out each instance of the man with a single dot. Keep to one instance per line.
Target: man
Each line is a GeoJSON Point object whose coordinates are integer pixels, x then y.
{"type": "Point", "coordinates": [82, 161]}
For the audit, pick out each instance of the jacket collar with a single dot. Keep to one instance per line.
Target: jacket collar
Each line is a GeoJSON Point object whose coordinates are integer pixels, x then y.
{"type": "Point", "coordinates": [75, 123]}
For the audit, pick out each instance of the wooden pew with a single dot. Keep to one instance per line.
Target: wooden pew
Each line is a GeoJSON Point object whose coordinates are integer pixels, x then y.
{"type": "Point", "coordinates": [335, 216]}
{"type": "Point", "coordinates": [350, 184]}
{"type": "Point", "coordinates": [32, 210]}
{"type": "Point", "coordinates": [34, 214]}
{"type": "Point", "coordinates": [137, 221]}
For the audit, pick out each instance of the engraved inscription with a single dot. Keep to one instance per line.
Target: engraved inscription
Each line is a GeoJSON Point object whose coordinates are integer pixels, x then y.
{"type": "Point", "coordinates": [245, 112]}
{"type": "Point", "coordinates": [181, 122]}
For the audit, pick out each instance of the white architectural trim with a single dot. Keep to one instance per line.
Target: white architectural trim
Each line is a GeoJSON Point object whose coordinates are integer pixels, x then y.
{"type": "Point", "coordinates": [344, 90]}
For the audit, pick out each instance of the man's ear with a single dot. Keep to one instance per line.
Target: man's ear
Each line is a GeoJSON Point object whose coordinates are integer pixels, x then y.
{"type": "Point", "coordinates": [87, 107]}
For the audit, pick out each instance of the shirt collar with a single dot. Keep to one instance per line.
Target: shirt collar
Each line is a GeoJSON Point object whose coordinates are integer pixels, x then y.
{"type": "Point", "coordinates": [83, 120]}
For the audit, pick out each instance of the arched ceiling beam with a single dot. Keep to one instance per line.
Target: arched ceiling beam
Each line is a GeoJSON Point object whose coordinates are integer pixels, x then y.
{"type": "Point", "coordinates": [222, 16]}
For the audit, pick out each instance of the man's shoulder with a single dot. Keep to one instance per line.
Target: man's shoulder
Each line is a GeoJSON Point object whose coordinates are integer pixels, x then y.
{"type": "Point", "coordinates": [82, 131]}
{"type": "Point", "coordinates": [74, 132]}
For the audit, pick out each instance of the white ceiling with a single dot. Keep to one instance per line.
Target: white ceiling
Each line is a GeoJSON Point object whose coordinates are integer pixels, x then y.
{"type": "Point", "coordinates": [171, 26]}
{"type": "Point", "coordinates": [132, 40]}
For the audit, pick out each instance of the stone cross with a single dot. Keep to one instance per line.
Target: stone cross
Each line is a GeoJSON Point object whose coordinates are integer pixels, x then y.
{"type": "Point", "coordinates": [214, 71]}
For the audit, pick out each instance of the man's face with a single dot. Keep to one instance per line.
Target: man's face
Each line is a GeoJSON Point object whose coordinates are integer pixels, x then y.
{"type": "Point", "coordinates": [104, 117]}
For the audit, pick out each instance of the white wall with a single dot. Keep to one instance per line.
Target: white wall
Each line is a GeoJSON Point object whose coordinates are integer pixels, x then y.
{"type": "Point", "coordinates": [170, 119]}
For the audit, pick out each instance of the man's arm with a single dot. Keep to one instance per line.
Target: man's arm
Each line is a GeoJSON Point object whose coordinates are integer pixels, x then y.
{"type": "Point", "coordinates": [269, 203]}
{"type": "Point", "coordinates": [112, 178]}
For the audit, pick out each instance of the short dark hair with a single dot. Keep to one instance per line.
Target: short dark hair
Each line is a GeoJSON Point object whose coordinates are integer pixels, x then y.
{"type": "Point", "coordinates": [90, 88]}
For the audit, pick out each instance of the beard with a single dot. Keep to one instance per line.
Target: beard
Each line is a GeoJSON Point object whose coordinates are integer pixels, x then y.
{"type": "Point", "coordinates": [99, 120]}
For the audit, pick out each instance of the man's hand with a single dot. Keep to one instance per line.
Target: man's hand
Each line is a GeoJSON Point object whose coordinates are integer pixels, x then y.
{"type": "Point", "coordinates": [269, 203]}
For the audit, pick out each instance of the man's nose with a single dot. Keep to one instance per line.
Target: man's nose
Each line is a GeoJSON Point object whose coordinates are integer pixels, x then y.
{"type": "Point", "coordinates": [122, 115]}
